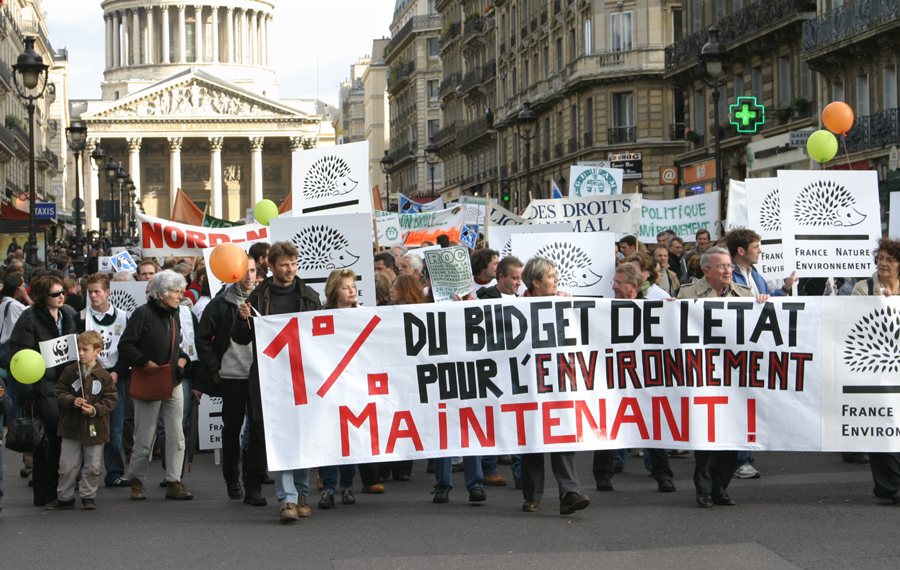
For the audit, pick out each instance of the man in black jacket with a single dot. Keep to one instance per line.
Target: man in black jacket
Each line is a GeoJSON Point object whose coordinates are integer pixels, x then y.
{"type": "Point", "coordinates": [226, 371]}
{"type": "Point", "coordinates": [509, 279]}
{"type": "Point", "coordinates": [281, 293]}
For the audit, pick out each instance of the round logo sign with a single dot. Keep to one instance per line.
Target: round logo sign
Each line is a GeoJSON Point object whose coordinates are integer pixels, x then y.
{"type": "Point", "coordinates": [391, 233]}
{"type": "Point", "coordinates": [595, 181]}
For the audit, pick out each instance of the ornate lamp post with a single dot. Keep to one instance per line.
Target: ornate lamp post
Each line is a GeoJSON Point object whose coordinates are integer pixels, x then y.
{"type": "Point", "coordinates": [111, 168]}
{"type": "Point", "coordinates": [432, 157]}
{"type": "Point", "coordinates": [525, 123]}
{"type": "Point", "coordinates": [386, 164]}
{"type": "Point", "coordinates": [121, 177]}
{"type": "Point", "coordinates": [712, 58]}
{"type": "Point", "coordinates": [77, 135]}
{"type": "Point", "coordinates": [129, 185]}
{"type": "Point", "coordinates": [30, 65]}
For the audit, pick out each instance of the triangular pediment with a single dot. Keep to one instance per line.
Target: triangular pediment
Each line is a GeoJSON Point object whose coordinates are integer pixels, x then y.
{"type": "Point", "coordinates": [194, 94]}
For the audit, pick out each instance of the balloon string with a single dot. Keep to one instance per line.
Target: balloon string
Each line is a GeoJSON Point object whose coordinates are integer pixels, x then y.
{"type": "Point", "coordinates": [846, 152]}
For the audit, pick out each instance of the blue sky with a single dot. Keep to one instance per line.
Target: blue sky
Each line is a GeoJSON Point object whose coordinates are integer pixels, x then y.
{"type": "Point", "coordinates": [340, 31]}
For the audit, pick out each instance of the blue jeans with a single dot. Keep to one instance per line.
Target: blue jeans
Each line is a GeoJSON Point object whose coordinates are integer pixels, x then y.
{"type": "Point", "coordinates": [112, 450]}
{"type": "Point", "coordinates": [743, 458]}
{"type": "Point", "coordinates": [289, 485]}
{"type": "Point", "coordinates": [489, 464]}
{"type": "Point", "coordinates": [329, 476]}
{"type": "Point", "coordinates": [516, 467]}
{"type": "Point", "coordinates": [620, 458]}
{"type": "Point", "coordinates": [443, 472]}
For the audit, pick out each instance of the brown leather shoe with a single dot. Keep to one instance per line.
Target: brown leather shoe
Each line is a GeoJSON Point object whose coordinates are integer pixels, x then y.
{"type": "Point", "coordinates": [495, 479]}
{"type": "Point", "coordinates": [137, 490]}
{"type": "Point", "coordinates": [289, 513]}
{"type": "Point", "coordinates": [303, 509]}
{"type": "Point", "coordinates": [531, 506]}
{"type": "Point", "coordinates": [572, 502]}
{"type": "Point", "coordinates": [177, 492]}
{"type": "Point", "coordinates": [373, 489]}
{"type": "Point", "coordinates": [319, 483]}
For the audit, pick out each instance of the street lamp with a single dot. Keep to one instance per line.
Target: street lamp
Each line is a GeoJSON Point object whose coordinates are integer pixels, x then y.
{"type": "Point", "coordinates": [386, 164]}
{"type": "Point", "coordinates": [30, 65]}
{"type": "Point", "coordinates": [121, 177]}
{"type": "Point", "coordinates": [712, 58]}
{"type": "Point", "coordinates": [432, 157]}
{"type": "Point", "coordinates": [77, 135]}
{"type": "Point", "coordinates": [129, 185]}
{"type": "Point", "coordinates": [110, 171]}
{"type": "Point", "coordinates": [525, 123]}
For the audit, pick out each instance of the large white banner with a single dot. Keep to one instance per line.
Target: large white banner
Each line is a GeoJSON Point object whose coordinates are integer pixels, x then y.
{"type": "Point", "coordinates": [584, 266]}
{"type": "Point", "coordinates": [594, 181]}
{"type": "Point", "coordinates": [894, 226]}
{"type": "Point", "coordinates": [330, 242]}
{"type": "Point", "coordinates": [500, 216]}
{"type": "Point", "coordinates": [332, 180]}
{"type": "Point", "coordinates": [162, 238]}
{"type": "Point", "coordinates": [684, 216]}
{"type": "Point", "coordinates": [764, 214]}
{"type": "Point", "coordinates": [830, 220]}
{"type": "Point", "coordinates": [569, 374]}
{"type": "Point", "coordinates": [619, 214]}
{"type": "Point", "coordinates": [500, 238]}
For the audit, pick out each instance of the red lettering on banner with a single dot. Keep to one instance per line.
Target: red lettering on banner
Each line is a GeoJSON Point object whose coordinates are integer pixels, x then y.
{"type": "Point", "coordinates": [354, 348]}
{"type": "Point", "coordinates": [627, 365]}
{"type": "Point", "coordinates": [551, 422]}
{"type": "Point", "coordinates": [410, 432]}
{"type": "Point", "coordinates": [151, 235]}
{"type": "Point", "coordinates": [711, 355]}
{"type": "Point", "coordinates": [290, 337]}
{"type": "Point", "coordinates": [369, 413]}
{"type": "Point", "coordinates": [467, 417]}
{"type": "Point", "coordinates": [216, 239]}
{"type": "Point", "coordinates": [800, 358]}
{"type": "Point", "coordinates": [755, 382]}
{"type": "Point", "coordinates": [636, 418]}
{"type": "Point", "coordinates": [195, 240]}
{"type": "Point", "coordinates": [323, 325]}
{"type": "Point", "coordinates": [539, 361]}
{"type": "Point", "coordinates": [252, 235]}
{"type": "Point", "coordinates": [751, 420]}
{"type": "Point", "coordinates": [710, 402]}
{"type": "Point", "coordinates": [174, 237]}
{"type": "Point", "coordinates": [663, 404]}
{"type": "Point", "coordinates": [598, 427]}
{"type": "Point", "coordinates": [442, 424]}
{"type": "Point", "coordinates": [566, 369]}
{"type": "Point", "coordinates": [519, 410]}
{"type": "Point", "coordinates": [778, 367]}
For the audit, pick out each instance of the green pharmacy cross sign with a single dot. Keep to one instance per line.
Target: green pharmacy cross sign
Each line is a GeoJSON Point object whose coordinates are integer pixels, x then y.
{"type": "Point", "coordinates": [747, 115]}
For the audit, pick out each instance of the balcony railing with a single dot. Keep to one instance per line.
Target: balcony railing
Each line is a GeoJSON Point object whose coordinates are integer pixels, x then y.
{"type": "Point", "coordinates": [472, 131]}
{"type": "Point", "coordinates": [6, 137]}
{"type": "Point", "coordinates": [447, 135]}
{"type": "Point", "coordinates": [848, 20]}
{"type": "Point", "coordinates": [473, 27]}
{"type": "Point", "coordinates": [488, 71]}
{"type": "Point", "coordinates": [449, 34]}
{"type": "Point", "coordinates": [619, 135]}
{"type": "Point", "coordinates": [19, 132]}
{"type": "Point", "coordinates": [676, 132]}
{"type": "Point", "coordinates": [414, 23]}
{"type": "Point", "coordinates": [573, 146]}
{"type": "Point", "coordinates": [450, 83]}
{"type": "Point", "coordinates": [878, 130]}
{"type": "Point", "coordinates": [588, 139]}
{"type": "Point", "coordinates": [752, 18]}
{"type": "Point", "coordinates": [471, 79]}
{"type": "Point", "coordinates": [558, 150]}
{"type": "Point", "coordinates": [399, 74]}
{"type": "Point", "coordinates": [404, 151]}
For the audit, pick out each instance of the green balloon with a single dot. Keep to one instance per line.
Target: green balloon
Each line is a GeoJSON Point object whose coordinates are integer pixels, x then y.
{"type": "Point", "coordinates": [264, 211]}
{"type": "Point", "coordinates": [27, 366]}
{"type": "Point", "coordinates": [822, 146]}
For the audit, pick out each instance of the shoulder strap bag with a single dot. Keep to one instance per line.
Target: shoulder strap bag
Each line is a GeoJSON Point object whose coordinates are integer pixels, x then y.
{"type": "Point", "coordinates": [153, 384]}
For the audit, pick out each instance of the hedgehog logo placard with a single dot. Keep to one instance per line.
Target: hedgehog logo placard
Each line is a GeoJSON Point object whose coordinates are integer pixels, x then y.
{"type": "Point", "coordinates": [500, 237]}
{"type": "Point", "coordinates": [770, 212]}
{"type": "Point", "coordinates": [584, 266]}
{"type": "Point", "coordinates": [127, 296]}
{"type": "Point", "coordinates": [828, 204]}
{"type": "Point", "coordinates": [332, 179]}
{"type": "Point", "coordinates": [322, 247]}
{"type": "Point", "coordinates": [873, 344]}
{"type": "Point", "coordinates": [764, 216]}
{"type": "Point", "coordinates": [573, 266]}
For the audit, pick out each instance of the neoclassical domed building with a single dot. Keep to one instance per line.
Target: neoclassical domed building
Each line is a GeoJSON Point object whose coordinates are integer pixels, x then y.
{"type": "Point", "coordinates": [189, 101]}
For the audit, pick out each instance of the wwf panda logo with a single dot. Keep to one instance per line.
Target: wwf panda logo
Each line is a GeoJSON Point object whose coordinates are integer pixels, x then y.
{"type": "Point", "coordinates": [61, 348]}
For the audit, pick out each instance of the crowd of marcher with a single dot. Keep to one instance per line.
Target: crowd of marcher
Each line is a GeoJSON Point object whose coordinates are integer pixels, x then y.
{"type": "Point", "coordinates": [100, 421]}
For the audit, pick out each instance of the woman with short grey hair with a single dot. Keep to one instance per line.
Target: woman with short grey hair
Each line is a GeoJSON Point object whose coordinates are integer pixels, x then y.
{"type": "Point", "coordinates": [152, 339]}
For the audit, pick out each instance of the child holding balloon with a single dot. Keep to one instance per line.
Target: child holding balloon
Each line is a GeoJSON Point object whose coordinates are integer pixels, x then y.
{"type": "Point", "coordinates": [86, 396]}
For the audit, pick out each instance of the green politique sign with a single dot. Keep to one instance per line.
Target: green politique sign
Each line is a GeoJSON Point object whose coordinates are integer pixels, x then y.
{"type": "Point", "coordinates": [747, 115]}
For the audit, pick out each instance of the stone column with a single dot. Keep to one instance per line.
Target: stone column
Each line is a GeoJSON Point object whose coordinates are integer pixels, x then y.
{"type": "Point", "coordinates": [116, 52]}
{"type": "Point", "coordinates": [136, 36]}
{"type": "Point", "coordinates": [198, 34]}
{"type": "Point", "coordinates": [174, 170]}
{"type": "Point", "coordinates": [214, 20]}
{"type": "Point", "coordinates": [243, 42]}
{"type": "Point", "coordinates": [91, 187]}
{"type": "Point", "coordinates": [215, 173]}
{"type": "Point", "coordinates": [264, 40]}
{"type": "Point", "coordinates": [151, 36]}
{"type": "Point", "coordinates": [107, 21]}
{"type": "Point", "coordinates": [134, 162]}
{"type": "Point", "coordinates": [256, 177]}
{"type": "Point", "coordinates": [229, 30]}
{"type": "Point", "coordinates": [165, 34]}
{"type": "Point", "coordinates": [126, 37]}
{"type": "Point", "coordinates": [182, 41]}
{"type": "Point", "coordinates": [251, 38]}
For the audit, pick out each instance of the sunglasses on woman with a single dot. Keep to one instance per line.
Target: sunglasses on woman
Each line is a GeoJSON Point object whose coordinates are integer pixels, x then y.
{"type": "Point", "coordinates": [57, 294]}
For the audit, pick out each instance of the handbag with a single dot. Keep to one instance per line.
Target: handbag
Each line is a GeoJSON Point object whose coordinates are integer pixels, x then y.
{"type": "Point", "coordinates": [153, 384]}
{"type": "Point", "coordinates": [24, 435]}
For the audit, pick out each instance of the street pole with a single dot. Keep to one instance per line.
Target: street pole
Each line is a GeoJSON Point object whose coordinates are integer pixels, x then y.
{"type": "Point", "coordinates": [31, 256]}
{"type": "Point", "coordinates": [79, 239]}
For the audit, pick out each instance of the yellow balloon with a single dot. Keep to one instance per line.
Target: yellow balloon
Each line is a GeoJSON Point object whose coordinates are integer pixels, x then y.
{"type": "Point", "coordinates": [27, 366]}
{"type": "Point", "coordinates": [822, 146]}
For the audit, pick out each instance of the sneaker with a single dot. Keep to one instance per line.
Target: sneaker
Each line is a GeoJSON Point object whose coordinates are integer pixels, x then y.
{"type": "Point", "coordinates": [175, 490]}
{"type": "Point", "coordinates": [441, 495]}
{"type": "Point", "coordinates": [254, 498]}
{"type": "Point", "coordinates": [303, 509]}
{"type": "Point", "coordinates": [376, 489]}
{"type": "Point", "coordinates": [57, 505]}
{"type": "Point", "coordinates": [476, 495]}
{"type": "Point", "coordinates": [747, 472]}
{"type": "Point", "coordinates": [88, 504]}
{"type": "Point", "coordinates": [495, 479]}
{"type": "Point", "coordinates": [234, 490]}
{"type": "Point", "coordinates": [347, 497]}
{"type": "Point", "coordinates": [572, 502]}
{"type": "Point", "coordinates": [137, 490]}
{"type": "Point", "coordinates": [120, 482]}
{"type": "Point", "coordinates": [163, 484]}
{"type": "Point", "coordinates": [288, 513]}
{"type": "Point", "coordinates": [327, 500]}
{"type": "Point", "coordinates": [23, 473]}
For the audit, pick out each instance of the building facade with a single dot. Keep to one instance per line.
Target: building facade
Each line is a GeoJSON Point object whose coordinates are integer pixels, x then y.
{"type": "Point", "coordinates": [376, 127]}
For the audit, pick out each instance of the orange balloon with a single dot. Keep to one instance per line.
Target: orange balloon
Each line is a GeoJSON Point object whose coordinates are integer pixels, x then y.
{"type": "Point", "coordinates": [228, 262]}
{"type": "Point", "coordinates": [838, 117]}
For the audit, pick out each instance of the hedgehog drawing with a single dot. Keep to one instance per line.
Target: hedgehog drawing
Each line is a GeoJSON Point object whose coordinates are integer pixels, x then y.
{"type": "Point", "coordinates": [826, 203]}
{"type": "Point", "coordinates": [770, 212]}
{"type": "Point", "coordinates": [328, 176]}
{"type": "Point", "coordinates": [573, 266]}
{"type": "Point", "coordinates": [123, 301]}
{"type": "Point", "coordinates": [322, 247]}
{"type": "Point", "coordinates": [507, 249]}
{"type": "Point", "coordinates": [873, 344]}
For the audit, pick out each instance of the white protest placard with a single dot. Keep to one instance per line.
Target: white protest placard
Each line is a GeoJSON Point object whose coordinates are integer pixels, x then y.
{"type": "Point", "coordinates": [330, 242]}
{"type": "Point", "coordinates": [209, 423]}
{"type": "Point", "coordinates": [764, 215]}
{"type": "Point", "coordinates": [894, 227]}
{"type": "Point", "coordinates": [123, 262]}
{"type": "Point", "coordinates": [475, 214]}
{"type": "Point", "coordinates": [215, 285]}
{"type": "Point", "coordinates": [684, 216]}
{"type": "Point", "coordinates": [830, 220]}
{"type": "Point", "coordinates": [594, 181]}
{"type": "Point", "coordinates": [161, 238]}
{"type": "Point", "coordinates": [619, 214]}
{"type": "Point", "coordinates": [500, 216]}
{"type": "Point", "coordinates": [501, 236]}
{"type": "Point", "coordinates": [117, 250]}
{"type": "Point", "coordinates": [450, 272]}
{"type": "Point", "coordinates": [332, 180]}
{"type": "Point", "coordinates": [104, 264]}
{"type": "Point", "coordinates": [736, 207]}
{"type": "Point", "coordinates": [427, 226]}
{"type": "Point", "coordinates": [128, 295]}
{"type": "Point", "coordinates": [562, 374]}
{"type": "Point", "coordinates": [389, 231]}
{"type": "Point", "coordinates": [59, 350]}
{"type": "Point", "coordinates": [585, 267]}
